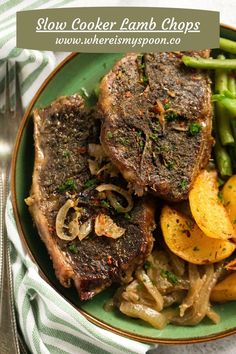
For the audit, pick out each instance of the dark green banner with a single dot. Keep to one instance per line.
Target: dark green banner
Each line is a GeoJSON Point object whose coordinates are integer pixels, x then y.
{"type": "Point", "coordinates": [117, 29]}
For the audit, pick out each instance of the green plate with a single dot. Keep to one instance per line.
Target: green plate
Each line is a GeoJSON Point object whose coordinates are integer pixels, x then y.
{"type": "Point", "coordinates": [85, 71]}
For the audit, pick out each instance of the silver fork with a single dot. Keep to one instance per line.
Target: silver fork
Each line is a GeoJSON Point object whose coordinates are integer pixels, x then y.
{"type": "Point", "coordinates": [9, 121]}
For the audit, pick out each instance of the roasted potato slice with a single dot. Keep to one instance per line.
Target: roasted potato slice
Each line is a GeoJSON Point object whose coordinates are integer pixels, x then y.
{"type": "Point", "coordinates": [186, 240]}
{"type": "Point", "coordinates": [229, 197]}
{"type": "Point", "coordinates": [207, 209]}
{"type": "Point", "coordinates": [225, 290]}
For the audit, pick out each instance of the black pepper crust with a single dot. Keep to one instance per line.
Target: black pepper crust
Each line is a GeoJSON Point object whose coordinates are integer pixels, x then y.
{"type": "Point", "coordinates": [149, 103]}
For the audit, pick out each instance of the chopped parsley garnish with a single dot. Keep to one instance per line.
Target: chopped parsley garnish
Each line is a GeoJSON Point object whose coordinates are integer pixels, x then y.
{"type": "Point", "coordinates": [220, 182]}
{"type": "Point", "coordinates": [68, 185]}
{"type": "Point", "coordinates": [127, 216]}
{"type": "Point", "coordinates": [124, 141]}
{"type": "Point", "coordinates": [195, 248]}
{"type": "Point", "coordinates": [220, 196]}
{"type": "Point", "coordinates": [171, 277]}
{"type": "Point", "coordinates": [90, 183]}
{"type": "Point", "coordinates": [166, 106]}
{"type": "Point", "coordinates": [154, 136]}
{"type": "Point", "coordinates": [109, 135]}
{"type": "Point", "coordinates": [140, 287]}
{"type": "Point", "coordinates": [118, 209]}
{"type": "Point", "coordinates": [105, 204]}
{"type": "Point", "coordinates": [140, 138]}
{"type": "Point", "coordinates": [194, 129]}
{"type": "Point", "coordinates": [73, 248]}
{"type": "Point", "coordinates": [140, 56]}
{"type": "Point", "coordinates": [183, 184]}
{"type": "Point", "coordinates": [66, 153]}
{"type": "Point", "coordinates": [141, 66]}
{"type": "Point", "coordinates": [147, 265]}
{"type": "Point", "coordinates": [139, 132]}
{"type": "Point", "coordinates": [141, 144]}
{"type": "Point", "coordinates": [171, 116]}
{"type": "Point", "coordinates": [170, 165]}
{"type": "Point", "coordinates": [145, 79]}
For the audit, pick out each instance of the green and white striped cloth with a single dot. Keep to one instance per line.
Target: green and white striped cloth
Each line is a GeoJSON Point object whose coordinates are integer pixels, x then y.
{"type": "Point", "coordinates": [50, 325]}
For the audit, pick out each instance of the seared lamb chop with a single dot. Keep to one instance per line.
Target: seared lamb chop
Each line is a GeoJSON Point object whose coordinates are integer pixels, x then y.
{"type": "Point", "coordinates": [63, 185]}
{"type": "Point", "coordinates": [157, 122]}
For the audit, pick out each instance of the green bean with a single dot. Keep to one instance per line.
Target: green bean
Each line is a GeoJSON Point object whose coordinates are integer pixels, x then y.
{"type": "Point", "coordinates": [223, 123]}
{"type": "Point", "coordinates": [222, 117]}
{"type": "Point", "coordinates": [232, 89]}
{"type": "Point", "coordinates": [202, 63]}
{"type": "Point", "coordinates": [232, 154]}
{"type": "Point", "coordinates": [227, 45]}
{"type": "Point", "coordinates": [232, 83]}
{"type": "Point", "coordinates": [230, 106]}
{"type": "Point", "coordinates": [221, 78]}
{"type": "Point", "coordinates": [223, 160]}
{"type": "Point", "coordinates": [233, 124]}
{"type": "Point", "coordinates": [232, 150]}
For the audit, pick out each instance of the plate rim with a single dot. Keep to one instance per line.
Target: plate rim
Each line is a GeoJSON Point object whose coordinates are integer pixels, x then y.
{"type": "Point", "coordinates": [93, 319]}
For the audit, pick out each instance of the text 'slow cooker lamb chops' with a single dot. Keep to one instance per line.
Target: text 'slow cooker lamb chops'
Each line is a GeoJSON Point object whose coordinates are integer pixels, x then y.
{"type": "Point", "coordinates": [157, 122]}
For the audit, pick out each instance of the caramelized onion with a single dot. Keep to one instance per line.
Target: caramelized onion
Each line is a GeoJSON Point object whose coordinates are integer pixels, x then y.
{"type": "Point", "coordinates": [93, 167]}
{"type": "Point", "coordinates": [96, 150]}
{"type": "Point", "coordinates": [105, 226]}
{"type": "Point", "coordinates": [152, 289]}
{"type": "Point", "coordinates": [73, 227]}
{"type": "Point", "coordinates": [85, 229]}
{"type": "Point", "coordinates": [77, 230]}
{"type": "Point", "coordinates": [110, 169]}
{"type": "Point", "coordinates": [178, 264]}
{"type": "Point", "coordinates": [60, 221]}
{"type": "Point", "coordinates": [212, 315]}
{"type": "Point", "coordinates": [155, 318]}
{"type": "Point", "coordinates": [113, 200]}
{"type": "Point", "coordinates": [132, 292]}
{"type": "Point", "coordinates": [200, 304]}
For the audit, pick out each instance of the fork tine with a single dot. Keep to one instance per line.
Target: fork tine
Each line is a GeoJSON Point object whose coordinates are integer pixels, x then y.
{"type": "Point", "coordinates": [18, 102]}
{"type": "Point", "coordinates": [7, 90]}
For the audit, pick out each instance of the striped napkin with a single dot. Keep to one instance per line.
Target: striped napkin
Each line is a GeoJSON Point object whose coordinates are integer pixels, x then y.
{"type": "Point", "coordinates": [49, 324]}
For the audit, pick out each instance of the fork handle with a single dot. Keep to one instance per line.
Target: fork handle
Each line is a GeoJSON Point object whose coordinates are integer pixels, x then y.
{"type": "Point", "coordinates": [8, 329]}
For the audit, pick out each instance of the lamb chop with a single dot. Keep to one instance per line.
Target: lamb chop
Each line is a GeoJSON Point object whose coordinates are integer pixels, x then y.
{"type": "Point", "coordinates": [90, 241]}
{"type": "Point", "coordinates": [157, 122]}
